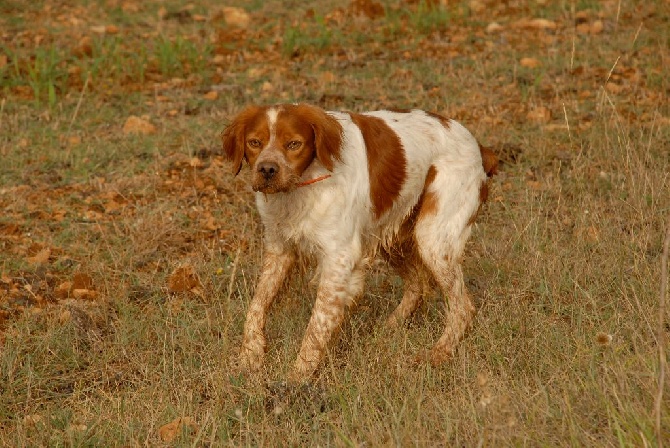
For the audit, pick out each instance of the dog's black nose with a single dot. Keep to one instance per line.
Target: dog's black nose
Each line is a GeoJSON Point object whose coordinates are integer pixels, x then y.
{"type": "Point", "coordinates": [268, 169]}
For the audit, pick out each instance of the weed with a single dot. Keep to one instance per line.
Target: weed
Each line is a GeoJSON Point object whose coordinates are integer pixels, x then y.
{"type": "Point", "coordinates": [297, 40]}
{"type": "Point", "coordinates": [430, 17]}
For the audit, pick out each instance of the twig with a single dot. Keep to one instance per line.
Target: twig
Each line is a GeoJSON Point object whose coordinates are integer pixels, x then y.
{"type": "Point", "coordinates": [567, 123]}
{"type": "Point", "coordinates": [2, 109]}
{"type": "Point", "coordinates": [76, 109]}
{"type": "Point", "coordinates": [609, 75]}
{"type": "Point", "coordinates": [661, 338]}
{"type": "Point", "coordinates": [74, 115]}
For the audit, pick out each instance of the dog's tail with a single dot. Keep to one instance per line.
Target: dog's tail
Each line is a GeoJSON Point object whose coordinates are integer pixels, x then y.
{"type": "Point", "coordinates": [489, 161]}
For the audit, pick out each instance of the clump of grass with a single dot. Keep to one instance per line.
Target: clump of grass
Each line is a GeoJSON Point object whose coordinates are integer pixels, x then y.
{"type": "Point", "coordinates": [316, 36]}
{"type": "Point", "coordinates": [430, 17]}
{"type": "Point", "coordinates": [43, 72]}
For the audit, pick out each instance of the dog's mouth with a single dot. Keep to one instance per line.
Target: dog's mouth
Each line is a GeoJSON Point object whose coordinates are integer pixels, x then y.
{"type": "Point", "coordinates": [272, 186]}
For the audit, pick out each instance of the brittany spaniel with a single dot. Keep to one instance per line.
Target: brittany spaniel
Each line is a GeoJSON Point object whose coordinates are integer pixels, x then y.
{"type": "Point", "coordinates": [344, 187]}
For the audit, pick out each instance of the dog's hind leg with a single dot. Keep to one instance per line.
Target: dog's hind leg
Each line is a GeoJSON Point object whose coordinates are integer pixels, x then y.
{"type": "Point", "coordinates": [413, 275]}
{"type": "Point", "coordinates": [441, 232]}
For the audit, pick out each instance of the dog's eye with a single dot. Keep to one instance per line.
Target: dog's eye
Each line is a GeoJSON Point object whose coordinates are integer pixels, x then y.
{"type": "Point", "coordinates": [293, 145]}
{"type": "Point", "coordinates": [254, 143]}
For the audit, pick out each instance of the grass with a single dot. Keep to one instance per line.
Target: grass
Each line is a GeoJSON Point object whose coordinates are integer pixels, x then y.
{"type": "Point", "coordinates": [564, 261]}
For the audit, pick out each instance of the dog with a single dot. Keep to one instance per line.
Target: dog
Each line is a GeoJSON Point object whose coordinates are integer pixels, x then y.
{"type": "Point", "coordinates": [344, 187]}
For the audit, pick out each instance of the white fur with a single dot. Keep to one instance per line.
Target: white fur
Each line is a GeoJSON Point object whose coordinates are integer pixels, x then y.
{"type": "Point", "coordinates": [333, 219]}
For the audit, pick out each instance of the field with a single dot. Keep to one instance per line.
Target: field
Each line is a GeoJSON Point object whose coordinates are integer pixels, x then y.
{"type": "Point", "coordinates": [129, 252]}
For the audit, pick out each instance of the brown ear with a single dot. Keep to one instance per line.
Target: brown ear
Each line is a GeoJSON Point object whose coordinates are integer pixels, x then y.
{"type": "Point", "coordinates": [327, 134]}
{"type": "Point", "coordinates": [233, 137]}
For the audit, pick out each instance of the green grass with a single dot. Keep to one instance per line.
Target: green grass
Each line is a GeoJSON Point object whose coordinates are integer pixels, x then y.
{"type": "Point", "coordinates": [566, 253]}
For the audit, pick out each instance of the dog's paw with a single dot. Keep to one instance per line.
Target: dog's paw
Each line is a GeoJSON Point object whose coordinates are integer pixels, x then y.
{"type": "Point", "coordinates": [439, 355]}
{"type": "Point", "coordinates": [251, 360]}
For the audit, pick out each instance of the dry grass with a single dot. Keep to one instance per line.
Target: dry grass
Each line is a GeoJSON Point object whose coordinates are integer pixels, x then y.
{"type": "Point", "coordinates": [565, 261]}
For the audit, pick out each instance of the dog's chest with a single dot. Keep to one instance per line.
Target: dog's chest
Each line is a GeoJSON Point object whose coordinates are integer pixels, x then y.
{"type": "Point", "coordinates": [308, 221]}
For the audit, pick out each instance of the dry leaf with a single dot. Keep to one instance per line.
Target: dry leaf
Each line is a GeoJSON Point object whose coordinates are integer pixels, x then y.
{"type": "Point", "coordinates": [530, 62]}
{"type": "Point", "coordinates": [211, 95]}
{"type": "Point", "coordinates": [236, 17]}
{"type": "Point", "coordinates": [614, 88]}
{"type": "Point", "coordinates": [137, 125]}
{"type": "Point", "coordinates": [84, 294]}
{"type": "Point", "coordinates": [543, 24]}
{"type": "Point", "coordinates": [583, 28]}
{"type": "Point", "coordinates": [539, 24]}
{"type": "Point", "coordinates": [183, 279]}
{"type": "Point", "coordinates": [540, 114]}
{"type": "Point", "coordinates": [64, 316]}
{"type": "Point", "coordinates": [534, 184]}
{"type": "Point", "coordinates": [32, 420]}
{"type": "Point", "coordinates": [172, 430]}
{"type": "Point", "coordinates": [327, 77]}
{"type": "Point", "coordinates": [256, 72]}
{"type": "Point", "coordinates": [40, 257]}
{"type": "Point", "coordinates": [603, 338]}
{"type": "Point", "coordinates": [130, 6]}
{"type": "Point", "coordinates": [597, 27]}
{"type": "Point", "coordinates": [494, 27]}
{"type": "Point", "coordinates": [555, 127]}
{"type": "Point", "coordinates": [84, 47]}
{"type": "Point", "coordinates": [367, 8]}
{"type": "Point", "coordinates": [62, 291]}
{"type": "Point", "coordinates": [81, 280]}
{"type": "Point", "coordinates": [477, 6]}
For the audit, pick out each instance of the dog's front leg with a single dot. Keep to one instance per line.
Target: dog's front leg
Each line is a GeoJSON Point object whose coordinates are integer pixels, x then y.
{"type": "Point", "coordinates": [275, 267]}
{"type": "Point", "coordinates": [342, 281]}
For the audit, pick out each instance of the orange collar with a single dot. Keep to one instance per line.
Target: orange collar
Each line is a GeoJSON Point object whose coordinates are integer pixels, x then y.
{"type": "Point", "coordinates": [313, 181]}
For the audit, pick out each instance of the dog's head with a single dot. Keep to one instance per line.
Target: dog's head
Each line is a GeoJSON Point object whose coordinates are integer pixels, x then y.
{"type": "Point", "coordinates": [280, 142]}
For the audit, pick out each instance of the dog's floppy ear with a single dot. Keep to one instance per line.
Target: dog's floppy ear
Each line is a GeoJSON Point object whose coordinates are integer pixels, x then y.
{"type": "Point", "coordinates": [327, 134]}
{"type": "Point", "coordinates": [233, 137]}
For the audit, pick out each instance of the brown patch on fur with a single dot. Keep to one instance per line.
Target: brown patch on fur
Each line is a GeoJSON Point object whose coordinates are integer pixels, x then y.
{"type": "Point", "coordinates": [292, 126]}
{"type": "Point", "coordinates": [404, 247]}
{"type": "Point", "coordinates": [321, 133]}
{"type": "Point", "coordinates": [490, 165]}
{"type": "Point", "coordinates": [483, 196]}
{"type": "Point", "coordinates": [444, 120]}
{"type": "Point", "coordinates": [299, 134]}
{"type": "Point", "coordinates": [428, 200]}
{"type": "Point", "coordinates": [483, 192]}
{"type": "Point", "coordinates": [428, 205]}
{"type": "Point", "coordinates": [399, 111]}
{"type": "Point", "coordinates": [430, 177]}
{"type": "Point", "coordinates": [387, 166]}
{"type": "Point", "coordinates": [489, 161]}
{"type": "Point", "coordinates": [327, 132]}
{"type": "Point", "coordinates": [233, 137]}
